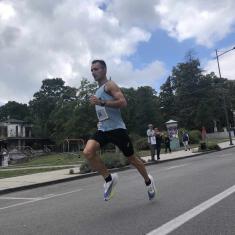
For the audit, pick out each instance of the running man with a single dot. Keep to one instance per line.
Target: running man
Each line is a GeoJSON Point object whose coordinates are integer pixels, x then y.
{"type": "Point", "coordinates": [111, 129]}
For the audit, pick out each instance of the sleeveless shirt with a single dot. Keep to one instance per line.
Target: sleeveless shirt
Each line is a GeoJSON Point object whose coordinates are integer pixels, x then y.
{"type": "Point", "coordinates": [109, 118]}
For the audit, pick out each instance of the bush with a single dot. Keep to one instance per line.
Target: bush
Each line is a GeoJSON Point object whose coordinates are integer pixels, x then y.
{"type": "Point", "coordinates": [134, 137]}
{"type": "Point", "coordinates": [141, 144]}
{"type": "Point", "coordinates": [114, 160]}
{"type": "Point", "coordinates": [85, 167]}
{"type": "Point", "coordinates": [111, 160]}
{"type": "Point", "coordinates": [203, 146]}
{"type": "Point", "coordinates": [194, 136]}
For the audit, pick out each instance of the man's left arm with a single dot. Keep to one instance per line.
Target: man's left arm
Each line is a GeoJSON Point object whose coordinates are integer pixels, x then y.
{"type": "Point", "coordinates": [119, 99]}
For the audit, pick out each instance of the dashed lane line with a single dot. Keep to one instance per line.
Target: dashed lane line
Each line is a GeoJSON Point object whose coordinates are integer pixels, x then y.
{"type": "Point", "coordinates": [39, 199]}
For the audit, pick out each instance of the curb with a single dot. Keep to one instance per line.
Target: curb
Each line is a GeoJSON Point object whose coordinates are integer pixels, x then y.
{"type": "Point", "coordinates": [82, 176]}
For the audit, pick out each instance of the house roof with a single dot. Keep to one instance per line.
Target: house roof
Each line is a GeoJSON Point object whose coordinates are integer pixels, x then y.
{"type": "Point", "coordinates": [15, 121]}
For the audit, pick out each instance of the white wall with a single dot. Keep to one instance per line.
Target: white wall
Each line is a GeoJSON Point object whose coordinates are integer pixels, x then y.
{"type": "Point", "coordinates": [219, 135]}
{"type": "Point", "coordinates": [11, 130]}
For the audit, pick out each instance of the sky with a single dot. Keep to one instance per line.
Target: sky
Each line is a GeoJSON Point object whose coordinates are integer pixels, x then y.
{"type": "Point", "coordinates": [140, 40]}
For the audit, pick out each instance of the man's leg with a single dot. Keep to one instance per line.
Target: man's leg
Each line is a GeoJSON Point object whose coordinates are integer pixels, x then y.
{"type": "Point", "coordinates": [188, 146]}
{"type": "Point", "coordinates": [97, 164]}
{"type": "Point", "coordinates": [152, 151]}
{"type": "Point", "coordinates": [120, 138]}
{"type": "Point", "coordinates": [95, 161]}
{"type": "Point", "coordinates": [158, 152]}
{"type": "Point", "coordinates": [149, 181]}
{"type": "Point", "coordinates": [185, 146]}
{"type": "Point", "coordinates": [139, 165]}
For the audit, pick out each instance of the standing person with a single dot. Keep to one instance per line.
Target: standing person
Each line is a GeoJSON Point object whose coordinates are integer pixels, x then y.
{"type": "Point", "coordinates": [158, 137]}
{"type": "Point", "coordinates": [108, 100]}
{"type": "Point", "coordinates": [185, 140]}
{"type": "Point", "coordinates": [151, 141]}
{"type": "Point", "coordinates": [167, 143]}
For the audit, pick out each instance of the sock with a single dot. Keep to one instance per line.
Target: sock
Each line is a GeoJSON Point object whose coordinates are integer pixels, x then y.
{"type": "Point", "coordinates": [107, 179]}
{"type": "Point", "coordinates": [148, 182]}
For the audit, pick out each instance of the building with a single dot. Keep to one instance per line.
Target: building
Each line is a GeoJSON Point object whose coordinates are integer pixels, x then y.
{"type": "Point", "coordinates": [17, 134]}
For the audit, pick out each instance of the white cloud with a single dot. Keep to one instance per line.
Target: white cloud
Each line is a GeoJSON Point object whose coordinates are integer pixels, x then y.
{"type": "Point", "coordinates": [205, 21]}
{"type": "Point", "coordinates": [127, 76]}
{"type": "Point", "coordinates": [58, 39]}
{"type": "Point", "coordinates": [6, 11]}
{"type": "Point", "coordinates": [138, 12]}
{"type": "Point", "coordinates": [226, 63]}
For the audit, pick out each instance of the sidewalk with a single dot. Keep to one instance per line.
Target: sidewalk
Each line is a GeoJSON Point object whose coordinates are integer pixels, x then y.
{"type": "Point", "coordinates": [35, 180]}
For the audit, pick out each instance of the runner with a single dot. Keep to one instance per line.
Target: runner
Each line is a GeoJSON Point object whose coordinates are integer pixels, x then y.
{"type": "Point", "coordinates": [111, 129]}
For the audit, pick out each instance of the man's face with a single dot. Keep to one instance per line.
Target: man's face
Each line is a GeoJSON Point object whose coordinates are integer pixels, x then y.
{"type": "Point", "coordinates": [98, 71]}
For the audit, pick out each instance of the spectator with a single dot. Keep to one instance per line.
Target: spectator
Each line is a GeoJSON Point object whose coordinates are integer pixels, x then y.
{"type": "Point", "coordinates": [185, 140]}
{"type": "Point", "coordinates": [158, 136]}
{"type": "Point", "coordinates": [151, 141]}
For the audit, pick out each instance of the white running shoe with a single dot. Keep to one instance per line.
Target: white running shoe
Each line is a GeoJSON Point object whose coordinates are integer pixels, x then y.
{"type": "Point", "coordinates": [110, 186]}
{"type": "Point", "coordinates": [151, 188]}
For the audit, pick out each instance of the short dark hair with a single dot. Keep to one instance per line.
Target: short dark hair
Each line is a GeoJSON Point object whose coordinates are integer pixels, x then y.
{"type": "Point", "coordinates": [102, 62]}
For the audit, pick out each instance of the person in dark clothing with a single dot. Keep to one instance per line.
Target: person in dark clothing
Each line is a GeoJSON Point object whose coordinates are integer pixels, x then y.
{"type": "Point", "coordinates": [167, 142]}
{"type": "Point", "coordinates": [185, 140]}
{"type": "Point", "coordinates": [158, 137]}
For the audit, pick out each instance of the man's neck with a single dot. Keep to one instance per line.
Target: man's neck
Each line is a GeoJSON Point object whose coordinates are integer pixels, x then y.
{"type": "Point", "coordinates": [102, 82]}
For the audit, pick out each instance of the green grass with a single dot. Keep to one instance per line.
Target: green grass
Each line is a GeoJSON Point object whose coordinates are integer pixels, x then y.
{"type": "Point", "coordinates": [52, 160]}
{"type": "Point", "coordinates": [13, 173]}
{"type": "Point", "coordinates": [217, 141]}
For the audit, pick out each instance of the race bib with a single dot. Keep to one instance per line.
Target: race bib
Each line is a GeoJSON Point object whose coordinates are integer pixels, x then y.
{"type": "Point", "coordinates": [101, 113]}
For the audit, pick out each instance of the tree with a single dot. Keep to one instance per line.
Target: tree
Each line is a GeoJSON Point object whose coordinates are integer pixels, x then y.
{"type": "Point", "coordinates": [148, 109]}
{"type": "Point", "coordinates": [76, 118]}
{"type": "Point", "coordinates": [231, 100]}
{"type": "Point", "coordinates": [14, 110]}
{"type": "Point", "coordinates": [167, 100]}
{"type": "Point", "coordinates": [51, 96]}
{"type": "Point", "coordinates": [129, 113]}
{"type": "Point", "coordinates": [185, 80]}
{"type": "Point", "coordinates": [210, 102]}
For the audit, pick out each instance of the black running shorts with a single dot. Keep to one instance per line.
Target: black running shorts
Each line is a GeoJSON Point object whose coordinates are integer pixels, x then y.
{"type": "Point", "coordinates": [119, 137]}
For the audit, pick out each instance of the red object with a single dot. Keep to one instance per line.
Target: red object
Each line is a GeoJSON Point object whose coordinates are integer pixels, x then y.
{"type": "Point", "coordinates": [203, 133]}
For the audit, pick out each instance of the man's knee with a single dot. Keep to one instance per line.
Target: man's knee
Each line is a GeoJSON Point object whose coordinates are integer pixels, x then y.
{"type": "Point", "coordinates": [88, 153]}
{"type": "Point", "coordinates": [90, 149]}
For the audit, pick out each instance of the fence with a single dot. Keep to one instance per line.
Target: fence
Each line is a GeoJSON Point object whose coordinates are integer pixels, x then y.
{"type": "Point", "coordinates": [219, 135]}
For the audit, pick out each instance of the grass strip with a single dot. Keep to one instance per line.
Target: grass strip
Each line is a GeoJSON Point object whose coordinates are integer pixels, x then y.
{"type": "Point", "coordinates": [14, 173]}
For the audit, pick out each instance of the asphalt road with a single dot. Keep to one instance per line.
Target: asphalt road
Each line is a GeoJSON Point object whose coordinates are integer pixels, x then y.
{"type": "Point", "coordinates": [196, 196]}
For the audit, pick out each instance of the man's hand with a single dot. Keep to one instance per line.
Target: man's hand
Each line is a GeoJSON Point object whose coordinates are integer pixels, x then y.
{"type": "Point", "coordinates": [94, 100]}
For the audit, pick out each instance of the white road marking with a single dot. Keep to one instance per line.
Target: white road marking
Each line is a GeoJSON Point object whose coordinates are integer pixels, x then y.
{"type": "Point", "coordinates": [19, 198]}
{"type": "Point", "coordinates": [173, 167]}
{"type": "Point", "coordinates": [180, 220]}
{"type": "Point", "coordinates": [39, 199]}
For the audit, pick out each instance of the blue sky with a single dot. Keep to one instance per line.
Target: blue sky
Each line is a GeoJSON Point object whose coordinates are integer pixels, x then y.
{"type": "Point", "coordinates": [139, 40]}
{"type": "Point", "coordinates": [172, 52]}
